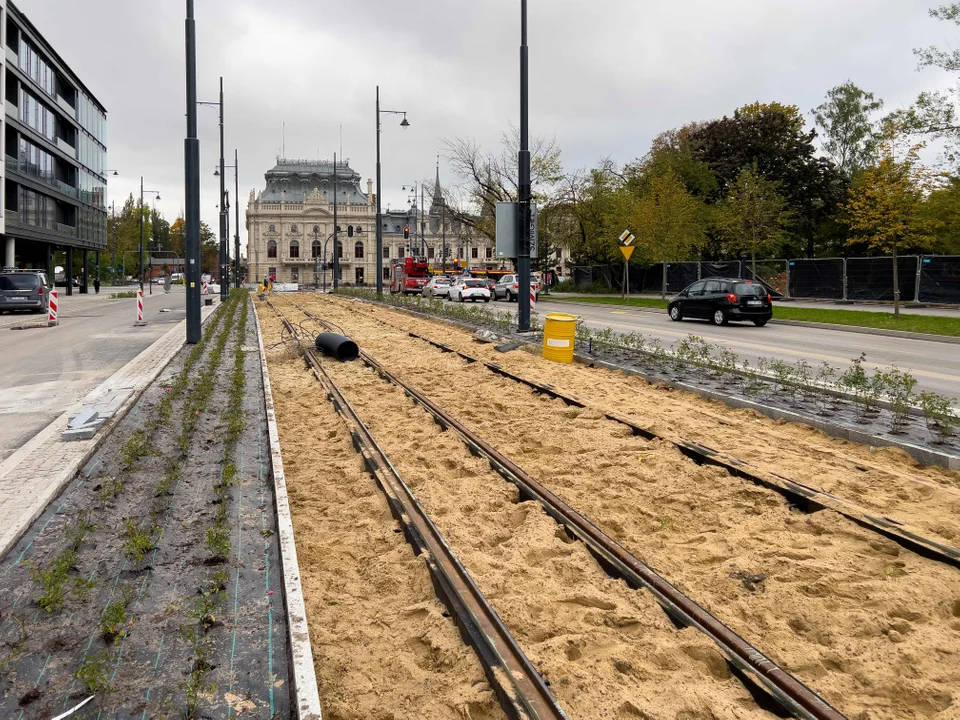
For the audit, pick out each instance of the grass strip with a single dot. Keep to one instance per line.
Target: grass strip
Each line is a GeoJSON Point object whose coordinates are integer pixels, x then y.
{"type": "Point", "coordinates": [928, 324]}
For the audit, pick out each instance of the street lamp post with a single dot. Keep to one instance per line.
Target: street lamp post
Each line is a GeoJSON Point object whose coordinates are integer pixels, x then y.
{"type": "Point", "coordinates": [191, 173]}
{"type": "Point", "coordinates": [525, 194]}
{"type": "Point", "coordinates": [224, 253]}
{"type": "Point", "coordinates": [153, 227]}
{"type": "Point", "coordinates": [423, 240]}
{"type": "Point", "coordinates": [236, 237]}
{"type": "Point", "coordinates": [142, 192]}
{"type": "Point", "coordinates": [403, 124]}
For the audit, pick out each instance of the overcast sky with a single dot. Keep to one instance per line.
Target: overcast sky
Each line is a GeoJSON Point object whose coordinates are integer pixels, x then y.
{"type": "Point", "coordinates": [606, 76]}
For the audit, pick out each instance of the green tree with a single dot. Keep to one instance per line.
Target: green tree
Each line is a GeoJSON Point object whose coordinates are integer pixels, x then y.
{"type": "Point", "coordinates": [771, 136]}
{"type": "Point", "coordinates": [885, 209]}
{"type": "Point", "coordinates": [850, 137]}
{"type": "Point", "coordinates": [178, 236]}
{"type": "Point", "coordinates": [668, 222]}
{"type": "Point", "coordinates": [943, 208]}
{"type": "Point", "coordinates": [934, 114]}
{"type": "Point", "coordinates": [753, 217]}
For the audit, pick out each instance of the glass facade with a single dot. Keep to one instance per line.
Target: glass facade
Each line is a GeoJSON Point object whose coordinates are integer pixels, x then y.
{"type": "Point", "coordinates": [34, 113]}
{"type": "Point", "coordinates": [37, 210]}
{"type": "Point", "coordinates": [92, 120]}
{"type": "Point", "coordinates": [35, 162]}
{"type": "Point", "coordinates": [93, 190]}
{"type": "Point", "coordinates": [34, 66]}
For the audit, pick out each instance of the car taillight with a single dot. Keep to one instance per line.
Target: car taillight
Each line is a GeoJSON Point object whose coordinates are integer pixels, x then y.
{"type": "Point", "coordinates": [516, 287]}
{"type": "Point", "coordinates": [732, 298]}
{"type": "Point", "coordinates": [769, 299]}
{"type": "Point", "coordinates": [40, 290]}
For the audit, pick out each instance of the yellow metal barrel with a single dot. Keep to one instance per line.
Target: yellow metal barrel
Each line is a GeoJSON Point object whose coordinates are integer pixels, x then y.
{"type": "Point", "coordinates": [559, 332]}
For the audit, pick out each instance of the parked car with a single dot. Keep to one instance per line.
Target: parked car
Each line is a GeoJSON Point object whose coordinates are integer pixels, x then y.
{"type": "Point", "coordinates": [23, 290]}
{"type": "Point", "coordinates": [470, 289]}
{"type": "Point", "coordinates": [508, 287]}
{"type": "Point", "coordinates": [437, 287]}
{"type": "Point", "coordinates": [721, 300]}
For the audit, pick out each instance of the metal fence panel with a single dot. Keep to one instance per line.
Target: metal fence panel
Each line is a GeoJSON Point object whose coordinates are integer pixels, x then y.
{"type": "Point", "coordinates": [817, 278]}
{"type": "Point", "coordinates": [872, 278]}
{"type": "Point", "coordinates": [940, 279]}
{"type": "Point", "coordinates": [725, 268]}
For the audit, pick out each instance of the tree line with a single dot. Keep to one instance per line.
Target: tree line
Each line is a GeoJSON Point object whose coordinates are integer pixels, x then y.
{"type": "Point", "coordinates": [761, 182]}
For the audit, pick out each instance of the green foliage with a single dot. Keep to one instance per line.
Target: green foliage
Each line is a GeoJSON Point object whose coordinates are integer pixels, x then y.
{"type": "Point", "coordinates": [137, 541]}
{"type": "Point", "coordinates": [939, 416]}
{"type": "Point", "coordinates": [113, 623]}
{"type": "Point", "coordinates": [848, 134]}
{"type": "Point", "coordinates": [898, 387]}
{"type": "Point", "coordinates": [52, 580]}
{"type": "Point", "coordinates": [136, 447]}
{"type": "Point", "coordinates": [93, 673]}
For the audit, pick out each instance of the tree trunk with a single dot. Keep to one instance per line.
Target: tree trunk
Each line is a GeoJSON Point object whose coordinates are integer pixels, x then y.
{"type": "Point", "coordinates": [753, 263]}
{"type": "Point", "coordinates": [896, 285]}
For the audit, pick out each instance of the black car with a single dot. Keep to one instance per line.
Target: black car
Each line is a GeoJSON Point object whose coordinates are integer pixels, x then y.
{"type": "Point", "coordinates": [23, 290]}
{"type": "Point", "coordinates": [720, 300]}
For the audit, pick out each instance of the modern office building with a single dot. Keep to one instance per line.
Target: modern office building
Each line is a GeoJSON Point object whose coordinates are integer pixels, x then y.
{"type": "Point", "coordinates": [55, 156]}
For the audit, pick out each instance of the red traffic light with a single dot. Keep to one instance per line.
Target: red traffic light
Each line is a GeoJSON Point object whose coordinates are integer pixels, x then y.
{"type": "Point", "coordinates": [406, 233]}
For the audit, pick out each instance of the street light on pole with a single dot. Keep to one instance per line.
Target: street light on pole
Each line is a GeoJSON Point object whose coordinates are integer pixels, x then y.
{"type": "Point", "coordinates": [142, 193]}
{"type": "Point", "coordinates": [153, 227]}
{"type": "Point", "coordinates": [236, 236]}
{"type": "Point", "coordinates": [224, 254]}
{"type": "Point", "coordinates": [403, 124]}
{"type": "Point", "coordinates": [525, 194]}
{"type": "Point", "coordinates": [413, 188]}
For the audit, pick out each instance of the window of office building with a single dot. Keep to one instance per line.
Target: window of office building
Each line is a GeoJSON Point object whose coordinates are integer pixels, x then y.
{"type": "Point", "coordinates": [36, 67]}
{"type": "Point", "coordinates": [37, 210]}
{"type": "Point", "coordinates": [35, 162]}
{"type": "Point", "coordinates": [35, 114]}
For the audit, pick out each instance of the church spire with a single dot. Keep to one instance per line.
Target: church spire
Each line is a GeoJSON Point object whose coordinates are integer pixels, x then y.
{"type": "Point", "coordinates": [437, 202]}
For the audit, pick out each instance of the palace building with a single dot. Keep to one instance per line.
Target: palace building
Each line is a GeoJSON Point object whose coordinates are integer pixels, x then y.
{"type": "Point", "coordinates": [290, 228]}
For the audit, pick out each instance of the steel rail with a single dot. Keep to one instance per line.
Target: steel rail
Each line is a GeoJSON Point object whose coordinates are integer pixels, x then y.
{"type": "Point", "coordinates": [805, 496]}
{"type": "Point", "coordinates": [792, 694]}
{"type": "Point", "coordinates": [522, 692]}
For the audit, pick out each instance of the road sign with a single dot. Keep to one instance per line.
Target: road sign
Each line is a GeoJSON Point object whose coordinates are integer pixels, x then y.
{"type": "Point", "coordinates": [627, 237]}
{"type": "Point", "coordinates": [627, 251]}
{"type": "Point", "coordinates": [508, 227]}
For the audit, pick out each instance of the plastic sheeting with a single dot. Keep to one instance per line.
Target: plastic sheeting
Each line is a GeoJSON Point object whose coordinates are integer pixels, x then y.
{"type": "Point", "coordinates": [872, 278]}
{"type": "Point", "coordinates": [821, 278]}
{"type": "Point", "coordinates": [940, 279]}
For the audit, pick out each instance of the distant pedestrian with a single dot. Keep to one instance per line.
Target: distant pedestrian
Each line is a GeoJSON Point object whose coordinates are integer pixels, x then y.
{"type": "Point", "coordinates": [96, 285]}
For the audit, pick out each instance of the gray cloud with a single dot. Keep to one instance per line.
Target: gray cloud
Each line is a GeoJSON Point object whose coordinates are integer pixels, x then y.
{"type": "Point", "coordinates": [606, 76]}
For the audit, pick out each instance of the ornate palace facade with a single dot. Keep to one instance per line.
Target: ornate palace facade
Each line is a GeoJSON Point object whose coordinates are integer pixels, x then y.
{"type": "Point", "coordinates": [290, 228]}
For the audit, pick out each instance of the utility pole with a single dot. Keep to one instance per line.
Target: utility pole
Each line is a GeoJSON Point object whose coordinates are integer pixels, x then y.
{"type": "Point", "coordinates": [443, 234]}
{"type": "Point", "coordinates": [141, 233]}
{"type": "Point", "coordinates": [113, 214]}
{"type": "Point", "coordinates": [525, 192]}
{"type": "Point", "coordinates": [336, 255]}
{"type": "Point", "coordinates": [379, 214]}
{"type": "Point", "coordinates": [224, 273]}
{"type": "Point", "coordinates": [191, 165]}
{"type": "Point", "coordinates": [423, 239]}
{"type": "Point", "coordinates": [236, 200]}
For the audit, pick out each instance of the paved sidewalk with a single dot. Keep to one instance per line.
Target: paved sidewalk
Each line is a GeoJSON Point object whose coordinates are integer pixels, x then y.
{"type": "Point", "coordinates": [35, 474]}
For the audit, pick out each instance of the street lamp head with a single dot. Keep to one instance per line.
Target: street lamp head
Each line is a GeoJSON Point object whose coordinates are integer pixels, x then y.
{"type": "Point", "coordinates": [158, 196]}
{"type": "Point", "coordinates": [216, 173]}
{"type": "Point", "coordinates": [404, 123]}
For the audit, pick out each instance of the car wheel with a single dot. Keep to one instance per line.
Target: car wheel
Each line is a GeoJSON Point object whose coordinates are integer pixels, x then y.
{"type": "Point", "coordinates": [759, 323]}
{"type": "Point", "coordinates": [461, 298]}
{"type": "Point", "coordinates": [719, 317]}
{"type": "Point", "coordinates": [486, 299]}
{"type": "Point", "coordinates": [675, 313]}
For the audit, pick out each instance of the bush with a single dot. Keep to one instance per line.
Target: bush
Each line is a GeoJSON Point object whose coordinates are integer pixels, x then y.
{"type": "Point", "coordinates": [938, 415]}
{"type": "Point", "coordinates": [899, 389]}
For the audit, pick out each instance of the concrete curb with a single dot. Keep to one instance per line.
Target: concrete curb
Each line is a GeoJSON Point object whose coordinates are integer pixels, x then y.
{"type": "Point", "coordinates": [798, 323]}
{"type": "Point", "coordinates": [306, 695]}
{"type": "Point", "coordinates": [11, 536]}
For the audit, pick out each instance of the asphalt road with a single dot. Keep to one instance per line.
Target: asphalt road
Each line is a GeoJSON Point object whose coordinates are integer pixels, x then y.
{"type": "Point", "coordinates": [43, 372]}
{"type": "Point", "coordinates": [936, 365]}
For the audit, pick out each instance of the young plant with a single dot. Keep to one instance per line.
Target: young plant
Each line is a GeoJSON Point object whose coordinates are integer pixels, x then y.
{"type": "Point", "coordinates": [824, 400]}
{"type": "Point", "coordinates": [856, 382]}
{"type": "Point", "coordinates": [725, 366]}
{"type": "Point", "coordinates": [113, 624]}
{"type": "Point", "coordinates": [802, 378]}
{"type": "Point", "coordinates": [938, 416]}
{"type": "Point", "coordinates": [53, 579]}
{"type": "Point", "coordinates": [93, 673]}
{"type": "Point", "coordinates": [899, 386]}
{"type": "Point", "coordinates": [137, 541]}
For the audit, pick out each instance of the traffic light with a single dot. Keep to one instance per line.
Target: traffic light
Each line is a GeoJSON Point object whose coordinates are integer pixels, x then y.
{"type": "Point", "coordinates": [406, 233]}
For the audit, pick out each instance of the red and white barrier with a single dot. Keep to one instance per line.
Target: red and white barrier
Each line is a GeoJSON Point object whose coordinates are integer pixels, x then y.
{"type": "Point", "coordinates": [53, 306]}
{"type": "Point", "coordinates": [140, 320]}
{"type": "Point", "coordinates": [533, 300]}
{"type": "Point", "coordinates": [204, 288]}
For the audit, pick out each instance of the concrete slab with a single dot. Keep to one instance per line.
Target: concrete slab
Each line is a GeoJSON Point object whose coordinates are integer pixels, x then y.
{"type": "Point", "coordinates": [84, 417]}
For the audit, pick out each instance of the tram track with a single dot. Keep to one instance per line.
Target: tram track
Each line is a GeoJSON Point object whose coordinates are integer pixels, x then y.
{"type": "Point", "coordinates": [818, 562]}
{"type": "Point", "coordinates": [793, 696]}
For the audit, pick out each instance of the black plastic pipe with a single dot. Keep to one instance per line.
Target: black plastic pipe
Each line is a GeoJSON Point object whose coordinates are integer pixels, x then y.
{"type": "Point", "coordinates": [338, 346]}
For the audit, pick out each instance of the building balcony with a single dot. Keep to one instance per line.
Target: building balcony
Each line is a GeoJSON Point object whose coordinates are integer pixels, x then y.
{"type": "Point", "coordinates": [12, 57]}
{"type": "Point", "coordinates": [66, 147]}
{"type": "Point", "coordinates": [288, 260]}
{"type": "Point", "coordinates": [66, 107]}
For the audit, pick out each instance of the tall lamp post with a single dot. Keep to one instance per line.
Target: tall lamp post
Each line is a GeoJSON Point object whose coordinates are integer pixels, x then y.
{"type": "Point", "coordinates": [153, 227]}
{"type": "Point", "coordinates": [403, 124]}
{"type": "Point", "coordinates": [413, 188]}
{"type": "Point", "coordinates": [224, 254]}
{"type": "Point", "coordinates": [525, 194]}
{"type": "Point", "coordinates": [142, 192]}
{"type": "Point", "coordinates": [236, 237]}
{"type": "Point", "coordinates": [191, 181]}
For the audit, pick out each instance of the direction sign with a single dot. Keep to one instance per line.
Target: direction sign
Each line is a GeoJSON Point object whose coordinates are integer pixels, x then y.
{"type": "Point", "coordinates": [627, 251]}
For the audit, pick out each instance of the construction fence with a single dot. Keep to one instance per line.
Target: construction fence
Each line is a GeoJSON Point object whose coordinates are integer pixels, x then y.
{"type": "Point", "coordinates": [922, 278]}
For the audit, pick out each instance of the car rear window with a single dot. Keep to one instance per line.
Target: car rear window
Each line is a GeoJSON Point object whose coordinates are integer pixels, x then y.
{"type": "Point", "coordinates": [19, 282]}
{"type": "Point", "coordinates": [752, 289]}
{"type": "Point", "coordinates": [475, 283]}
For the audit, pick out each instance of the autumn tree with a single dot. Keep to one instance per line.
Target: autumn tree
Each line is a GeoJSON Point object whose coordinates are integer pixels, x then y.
{"type": "Point", "coordinates": [753, 218]}
{"type": "Point", "coordinates": [849, 135]}
{"type": "Point", "coordinates": [667, 221]}
{"type": "Point", "coordinates": [885, 209]}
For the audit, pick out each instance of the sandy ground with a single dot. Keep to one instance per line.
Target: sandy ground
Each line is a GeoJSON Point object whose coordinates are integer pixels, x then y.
{"type": "Point", "coordinates": [382, 646]}
{"type": "Point", "coordinates": [608, 651]}
{"type": "Point", "coordinates": [872, 627]}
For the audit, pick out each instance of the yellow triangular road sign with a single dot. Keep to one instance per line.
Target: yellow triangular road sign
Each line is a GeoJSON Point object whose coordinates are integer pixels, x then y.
{"type": "Point", "coordinates": [627, 251]}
